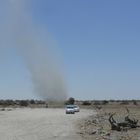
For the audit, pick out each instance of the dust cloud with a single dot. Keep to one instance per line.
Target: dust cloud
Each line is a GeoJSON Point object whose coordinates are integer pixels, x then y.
{"type": "Point", "coordinates": [27, 37]}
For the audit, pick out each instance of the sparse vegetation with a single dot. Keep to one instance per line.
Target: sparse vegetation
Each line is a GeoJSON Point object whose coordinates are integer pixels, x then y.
{"type": "Point", "coordinates": [97, 103]}
{"type": "Point", "coordinates": [71, 100]}
{"type": "Point", "coordinates": [25, 103]}
{"type": "Point", "coordinates": [125, 102]}
{"type": "Point", "coordinates": [87, 103]}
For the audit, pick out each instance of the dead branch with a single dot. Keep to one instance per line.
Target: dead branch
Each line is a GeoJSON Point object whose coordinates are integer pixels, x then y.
{"type": "Point", "coordinates": [127, 124]}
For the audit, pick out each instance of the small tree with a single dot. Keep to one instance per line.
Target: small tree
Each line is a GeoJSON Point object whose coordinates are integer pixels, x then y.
{"type": "Point", "coordinates": [71, 101]}
{"type": "Point", "coordinates": [135, 102]}
{"type": "Point", "coordinates": [24, 103]}
{"type": "Point", "coordinates": [32, 101]}
{"type": "Point", "coordinates": [87, 103]}
{"type": "Point", "coordinates": [104, 102]}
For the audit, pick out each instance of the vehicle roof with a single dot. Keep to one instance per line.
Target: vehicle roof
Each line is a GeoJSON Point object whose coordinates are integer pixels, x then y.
{"type": "Point", "coordinates": [70, 106]}
{"type": "Point", "coordinates": [76, 105]}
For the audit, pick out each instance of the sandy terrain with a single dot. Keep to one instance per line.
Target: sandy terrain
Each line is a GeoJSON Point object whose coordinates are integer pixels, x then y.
{"type": "Point", "coordinates": [40, 124]}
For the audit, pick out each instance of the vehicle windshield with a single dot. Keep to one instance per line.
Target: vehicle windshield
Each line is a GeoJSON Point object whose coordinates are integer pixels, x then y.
{"type": "Point", "coordinates": [70, 107]}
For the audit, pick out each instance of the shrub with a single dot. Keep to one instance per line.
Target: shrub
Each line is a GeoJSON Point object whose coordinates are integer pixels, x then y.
{"type": "Point", "coordinates": [124, 102]}
{"type": "Point", "coordinates": [135, 102]}
{"type": "Point", "coordinates": [70, 101]}
{"type": "Point", "coordinates": [32, 102]}
{"type": "Point", "coordinates": [24, 103]}
{"type": "Point", "coordinates": [8, 102]}
{"type": "Point", "coordinates": [105, 102]}
{"type": "Point", "coordinates": [97, 103]}
{"type": "Point", "coordinates": [86, 103]}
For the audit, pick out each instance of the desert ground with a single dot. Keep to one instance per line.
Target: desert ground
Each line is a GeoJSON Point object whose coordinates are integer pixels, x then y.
{"type": "Point", "coordinates": [97, 126]}
{"type": "Point", "coordinates": [91, 123]}
{"type": "Point", "coordinates": [40, 124]}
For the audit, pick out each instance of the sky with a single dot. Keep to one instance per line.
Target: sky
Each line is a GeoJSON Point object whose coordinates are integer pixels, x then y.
{"type": "Point", "coordinates": [98, 42]}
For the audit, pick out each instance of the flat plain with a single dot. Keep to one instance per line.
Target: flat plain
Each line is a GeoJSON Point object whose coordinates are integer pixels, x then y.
{"type": "Point", "coordinates": [40, 124]}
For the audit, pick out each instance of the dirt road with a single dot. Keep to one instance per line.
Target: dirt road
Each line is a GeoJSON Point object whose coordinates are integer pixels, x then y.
{"type": "Point", "coordinates": [39, 124]}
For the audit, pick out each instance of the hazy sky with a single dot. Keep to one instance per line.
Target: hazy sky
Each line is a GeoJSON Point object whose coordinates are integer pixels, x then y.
{"type": "Point", "coordinates": [99, 43]}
